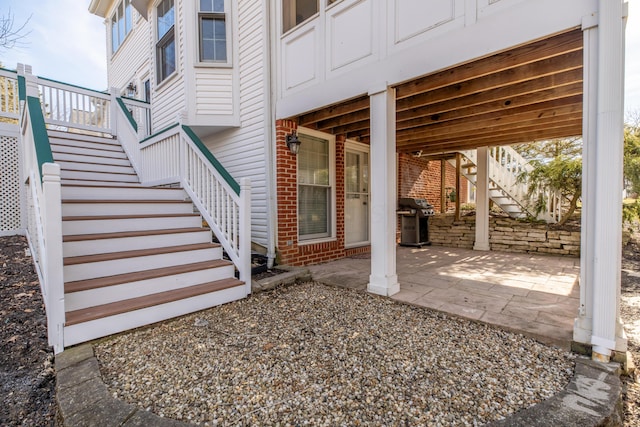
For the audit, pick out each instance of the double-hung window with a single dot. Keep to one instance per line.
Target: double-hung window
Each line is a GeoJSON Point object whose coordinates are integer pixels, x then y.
{"type": "Point", "coordinates": [315, 188]}
{"type": "Point", "coordinates": [121, 24]}
{"type": "Point", "coordinates": [166, 45]}
{"type": "Point", "coordinates": [212, 31]}
{"type": "Point", "coordinates": [295, 12]}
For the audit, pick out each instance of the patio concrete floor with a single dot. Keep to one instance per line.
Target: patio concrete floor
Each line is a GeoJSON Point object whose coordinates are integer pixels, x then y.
{"type": "Point", "coordinates": [535, 295]}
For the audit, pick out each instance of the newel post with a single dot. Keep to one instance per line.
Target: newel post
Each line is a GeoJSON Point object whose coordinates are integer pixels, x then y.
{"type": "Point", "coordinates": [52, 214]}
{"type": "Point", "coordinates": [113, 110]}
{"type": "Point", "coordinates": [244, 238]}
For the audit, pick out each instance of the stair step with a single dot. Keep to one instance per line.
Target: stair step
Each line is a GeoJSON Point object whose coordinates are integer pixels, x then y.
{"type": "Point", "coordinates": [180, 302]}
{"type": "Point", "coordinates": [76, 207]}
{"type": "Point", "coordinates": [87, 151]}
{"type": "Point", "coordinates": [125, 234]}
{"type": "Point", "coordinates": [91, 244]}
{"type": "Point", "coordinates": [122, 223]}
{"type": "Point", "coordinates": [98, 144]}
{"type": "Point", "coordinates": [99, 176]}
{"type": "Point", "coordinates": [109, 264]}
{"type": "Point", "coordinates": [70, 136]}
{"type": "Point", "coordinates": [136, 253]}
{"type": "Point", "coordinates": [118, 279]}
{"type": "Point", "coordinates": [84, 166]}
{"type": "Point", "coordinates": [97, 159]}
{"type": "Point", "coordinates": [106, 310]}
{"type": "Point", "coordinates": [81, 140]}
{"type": "Point", "coordinates": [101, 191]}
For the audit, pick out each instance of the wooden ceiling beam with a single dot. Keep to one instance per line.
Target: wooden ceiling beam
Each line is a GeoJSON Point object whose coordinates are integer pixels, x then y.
{"type": "Point", "coordinates": [540, 75]}
{"type": "Point", "coordinates": [344, 120]}
{"type": "Point", "coordinates": [337, 110]}
{"type": "Point", "coordinates": [506, 94]}
{"type": "Point", "coordinates": [488, 127]}
{"type": "Point", "coordinates": [491, 104]}
{"type": "Point", "coordinates": [568, 129]}
{"type": "Point", "coordinates": [490, 136]}
{"type": "Point", "coordinates": [536, 51]}
{"type": "Point", "coordinates": [540, 109]}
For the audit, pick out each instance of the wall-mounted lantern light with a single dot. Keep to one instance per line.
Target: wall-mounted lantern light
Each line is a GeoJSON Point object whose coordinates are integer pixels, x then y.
{"type": "Point", "coordinates": [293, 142]}
{"type": "Point", "coordinates": [131, 90]}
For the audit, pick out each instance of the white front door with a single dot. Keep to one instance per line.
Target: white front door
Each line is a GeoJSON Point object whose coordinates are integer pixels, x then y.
{"type": "Point", "coordinates": [356, 206]}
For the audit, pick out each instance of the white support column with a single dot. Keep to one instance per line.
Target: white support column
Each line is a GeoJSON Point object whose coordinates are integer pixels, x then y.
{"type": "Point", "coordinates": [482, 200]}
{"type": "Point", "coordinates": [608, 180]}
{"type": "Point", "coordinates": [582, 325]}
{"type": "Point", "coordinates": [383, 279]}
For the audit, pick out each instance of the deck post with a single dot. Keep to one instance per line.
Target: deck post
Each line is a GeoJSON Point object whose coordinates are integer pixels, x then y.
{"type": "Point", "coordinates": [482, 200]}
{"type": "Point", "coordinates": [383, 279]}
{"type": "Point", "coordinates": [598, 322]}
{"type": "Point", "coordinates": [52, 216]}
{"type": "Point", "coordinates": [608, 181]}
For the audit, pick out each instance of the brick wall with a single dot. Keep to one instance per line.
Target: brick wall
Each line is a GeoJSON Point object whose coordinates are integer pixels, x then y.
{"type": "Point", "coordinates": [290, 251]}
{"type": "Point", "coordinates": [420, 179]}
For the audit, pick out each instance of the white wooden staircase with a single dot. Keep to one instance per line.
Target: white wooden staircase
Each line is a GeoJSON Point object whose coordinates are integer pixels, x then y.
{"type": "Point", "coordinates": [133, 255]}
{"type": "Point", "coordinates": [505, 188]}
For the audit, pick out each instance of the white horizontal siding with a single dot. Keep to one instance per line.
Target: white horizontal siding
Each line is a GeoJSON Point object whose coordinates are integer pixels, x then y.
{"type": "Point", "coordinates": [170, 99]}
{"type": "Point", "coordinates": [214, 91]}
{"type": "Point", "coordinates": [242, 150]}
{"type": "Point", "coordinates": [133, 57]}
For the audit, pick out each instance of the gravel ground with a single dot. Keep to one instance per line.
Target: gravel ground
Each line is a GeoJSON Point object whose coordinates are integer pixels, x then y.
{"type": "Point", "coordinates": [317, 355]}
{"type": "Point", "coordinates": [630, 313]}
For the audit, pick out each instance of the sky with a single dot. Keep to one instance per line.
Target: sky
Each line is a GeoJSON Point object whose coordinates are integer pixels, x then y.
{"type": "Point", "coordinates": [67, 43]}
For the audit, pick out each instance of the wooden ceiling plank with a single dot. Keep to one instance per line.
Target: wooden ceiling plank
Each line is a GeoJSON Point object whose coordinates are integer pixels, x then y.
{"type": "Point", "coordinates": [345, 119]}
{"type": "Point", "coordinates": [447, 100]}
{"type": "Point", "coordinates": [536, 51]}
{"type": "Point", "coordinates": [487, 127]}
{"type": "Point", "coordinates": [334, 111]}
{"type": "Point", "coordinates": [501, 104]}
{"type": "Point", "coordinates": [502, 93]}
{"type": "Point", "coordinates": [541, 109]}
{"type": "Point", "coordinates": [521, 136]}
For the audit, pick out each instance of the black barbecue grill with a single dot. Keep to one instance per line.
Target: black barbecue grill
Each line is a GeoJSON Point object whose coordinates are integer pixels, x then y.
{"type": "Point", "coordinates": [414, 221]}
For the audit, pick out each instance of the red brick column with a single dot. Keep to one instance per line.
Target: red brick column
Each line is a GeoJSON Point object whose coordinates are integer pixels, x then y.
{"type": "Point", "coordinates": [287, 195]}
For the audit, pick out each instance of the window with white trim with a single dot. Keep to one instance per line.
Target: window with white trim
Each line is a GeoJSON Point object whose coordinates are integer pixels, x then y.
{"type": "Point", "coordinates": [212, 31]}
{"type": "Point", "coordinates": [121, 24]}
{"type": "Point", "coordinates": [295, 12]}
{"type": "Point", "coordinates": [316, 183]}
{"type": "Point", "coordinates": [166, 45]}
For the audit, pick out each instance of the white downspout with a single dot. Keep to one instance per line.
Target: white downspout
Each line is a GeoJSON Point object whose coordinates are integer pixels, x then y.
{"type": "Point", "coordinates": [270, 137]}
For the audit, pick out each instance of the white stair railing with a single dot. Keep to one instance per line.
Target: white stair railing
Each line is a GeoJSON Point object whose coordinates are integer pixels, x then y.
{"type": "Point", "coordinates": [176, 155]}
{"type": "Point", "coordinates": [9, 97]}
{"type": "Point", "coordinates": [45, 214]}
{"type": "Point", "coordinates": [73, 107]}
{"type": "Point", "coordinates": [505, 167]}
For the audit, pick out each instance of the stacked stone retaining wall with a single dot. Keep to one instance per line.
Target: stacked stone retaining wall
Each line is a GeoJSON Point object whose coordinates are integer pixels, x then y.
{"type": "Point", "coordinates": [505, 235]}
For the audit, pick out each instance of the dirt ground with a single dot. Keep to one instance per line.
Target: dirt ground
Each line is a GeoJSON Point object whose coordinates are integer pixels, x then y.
{"type": "Point", "coordinates": [27, 379]}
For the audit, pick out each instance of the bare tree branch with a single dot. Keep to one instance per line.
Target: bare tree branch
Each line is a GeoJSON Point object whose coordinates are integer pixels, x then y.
{"type": "Point", "coordinates": [10, 35]}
